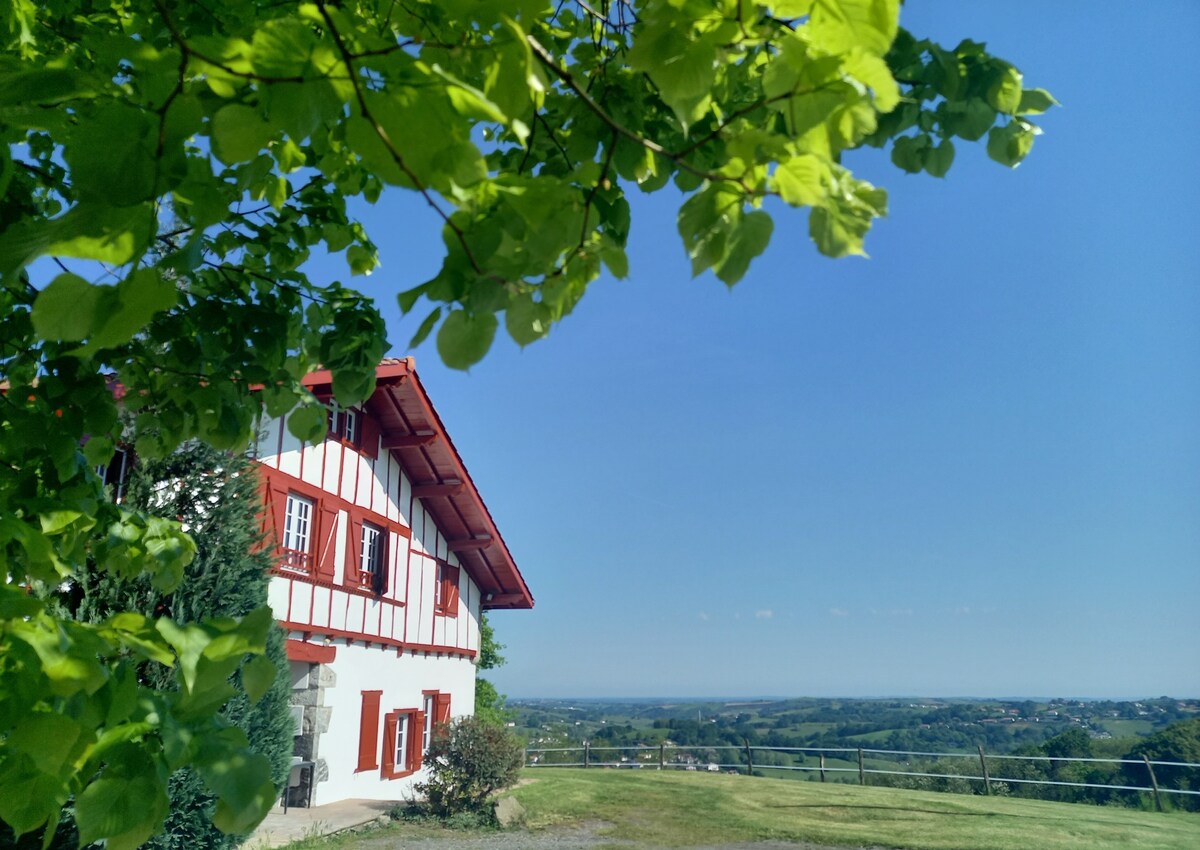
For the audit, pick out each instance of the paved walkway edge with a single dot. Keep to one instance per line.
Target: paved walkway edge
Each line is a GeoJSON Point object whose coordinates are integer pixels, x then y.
{"type": "Point", "coordinates": [278, 828]}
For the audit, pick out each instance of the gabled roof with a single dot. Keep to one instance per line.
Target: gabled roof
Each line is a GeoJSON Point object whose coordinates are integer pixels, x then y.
{"type": "Point", "coordinates": [412, 431]}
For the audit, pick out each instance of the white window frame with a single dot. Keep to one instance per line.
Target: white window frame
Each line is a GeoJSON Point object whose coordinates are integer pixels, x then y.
{"type": "Point", "coordinates": [370, 553]}
{"type": "Point", "coordinates": [297, 529]}
{"type": "Point", "coordinates": [429, 705]}
{"type": "Point", "coordinates": [401, 754]}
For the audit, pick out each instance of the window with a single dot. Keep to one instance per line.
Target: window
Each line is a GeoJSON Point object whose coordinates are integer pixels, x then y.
{"type": "Point", "coordinates": [400, 756]}
{"type": "Point", "coordinates": [371, 562]}
{"type": "Point", "coordinates": [116, 473]}
{"type": "Point", "coordinates": [402, 737]}
{"type": "Point", "coordinates": [436, 706]}
{"type": "Point", "coordinates": [297, 532]}
{"type": "Point", "coordinates": [446, 590]}
{"type": "Point", "coordinates": [345, 424]}
{"type": "Point", "coordinates": [429, 704]}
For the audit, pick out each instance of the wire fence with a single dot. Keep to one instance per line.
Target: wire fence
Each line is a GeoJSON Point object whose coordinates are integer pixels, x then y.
{"type": "Point", "coordinates": [991, 772]}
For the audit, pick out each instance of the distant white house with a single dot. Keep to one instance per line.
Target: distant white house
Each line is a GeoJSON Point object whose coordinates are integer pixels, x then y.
{"type": "Point", "coordinates": [387, 556]}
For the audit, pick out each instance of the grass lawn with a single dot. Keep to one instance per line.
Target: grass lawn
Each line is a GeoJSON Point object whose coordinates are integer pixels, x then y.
{"type": "Point", "coordinates": [684, 809]}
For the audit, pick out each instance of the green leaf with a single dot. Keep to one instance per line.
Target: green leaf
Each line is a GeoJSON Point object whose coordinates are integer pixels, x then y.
{"type": "Point", "coordinates": [464, 338]}
{"type": "Point", "coordinates": [362, 260]}
{"type": "Point", "coordinates": [242, 783]}
{"type": "Point", "coordinates": [1035, 101]}
{"type": "Point", "coordinates": [615, 258]}
{"type": "Point", "coordinates": [704, 221]}
{"type": "Point", "coordinates": [188, 640]}
{"type": "Point", "coordinates": [870, 70]}
{"type": "Point", "coordinates": [126, 804]}
{"type": "Point", "coordinates": [257, 676]}
{"type": "Point", "coordinates": [28, 86]}
{"type": "Point", "coordinates": [802, 180]}
{"type": "Point", "coordinates": [52, 741]}
{"type": "Point", "coordinates": [308, 423]}
{"type": "Point", "coordinates": [938, 159]}
{"type": "Point", "coordinates": [841, 25]}
{"type": "Point", "coordinates": [426, 327]}
{"type": "Point", "coordinates": [527, 320]}
{"type": "Point", "coordinates": [123, 170]}
{"type": "Point", "coordinates": [113, 235]}
{"type": "Point", "coordinates": [748, 239]}
{"type": "Point", "coordinates": [55, 522]}
{"type": "Point", "coordinates": [908, 152]}
{"type": "Point", "coordinates": [1004, 94]}
{"type": "Point", "coordinates": [788, 9]}
{"type": "Point", "coordinates": [65, 310]}
{"type": "Point", "coordinates": [1010, 144]}
{"type": "Point", "coordinates": [281, 48]}
{"type": "Point", "coordinates": [29, 798]}
{"type": "Point", "coordinates": [126, 309]}
{"type": "Point", "coordinates": [839, 227]}
{"type": "Point", "coordinates": [239, 133]}
{"type": "Point", "coordinates": [972, 119]}
{"type": "Point", "coordinates": [681, 64]}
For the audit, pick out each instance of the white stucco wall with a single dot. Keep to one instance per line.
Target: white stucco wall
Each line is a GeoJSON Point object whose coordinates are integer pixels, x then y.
{"type": "Point", "coordinates": [389, 645]}
{"type": "Point", "coordinates": [402, 680]}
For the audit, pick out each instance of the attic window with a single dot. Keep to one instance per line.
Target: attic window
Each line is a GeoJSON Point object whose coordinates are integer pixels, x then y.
{"type": "Point", "coordinates": [345, 424]}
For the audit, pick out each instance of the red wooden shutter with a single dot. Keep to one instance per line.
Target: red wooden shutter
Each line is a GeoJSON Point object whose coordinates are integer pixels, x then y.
{"type": "Point", "coordinates": [353, 552]}
{"type": "Point", "coordinates": [368, 731]}
{"type": "Point", "coordinates": [275, 516]}
{"type": "Point", "coordinates": [450, 590]}
{"type": "Point", "coordinates": [416, 727]}
{"type": "Point", "coordinates": [369, 437]}
{"type": "Point", "coordinates": [388, 770]}
{"type": "Point", "coordinates": [441, 708]}
{"type": "Point", "coordinates": [326, 542]}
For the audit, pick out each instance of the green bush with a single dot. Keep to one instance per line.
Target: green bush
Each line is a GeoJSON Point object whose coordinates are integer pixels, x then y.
{"type": "Point", "coordinates": [468, 761]}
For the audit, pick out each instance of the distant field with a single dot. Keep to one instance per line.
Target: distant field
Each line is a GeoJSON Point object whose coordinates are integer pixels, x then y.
{"type": "Point", "coordinates": [1126, 728]}
{"type": "Point", "coordinates": [684, 809]}
{"type": "Point", "coordinates": [804, 730]}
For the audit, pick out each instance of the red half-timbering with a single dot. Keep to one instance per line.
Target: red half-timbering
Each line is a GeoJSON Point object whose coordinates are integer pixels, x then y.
{"type": "Point", "coordinates": [380, 534]}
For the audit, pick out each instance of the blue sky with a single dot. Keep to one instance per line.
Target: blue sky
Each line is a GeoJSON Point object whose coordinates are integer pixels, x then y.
{"type": "Point", "coordinates": [967, 465]}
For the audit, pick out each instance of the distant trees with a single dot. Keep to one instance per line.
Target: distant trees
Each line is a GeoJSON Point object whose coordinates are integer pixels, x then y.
{"type": "Point", "coordinates": [1178, 742]}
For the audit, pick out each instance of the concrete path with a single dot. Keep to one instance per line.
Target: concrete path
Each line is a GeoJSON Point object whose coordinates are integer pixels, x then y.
{"type": "Point", "coordinates": [279, 828]}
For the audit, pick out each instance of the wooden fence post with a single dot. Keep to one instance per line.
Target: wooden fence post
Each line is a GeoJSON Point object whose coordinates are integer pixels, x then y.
{"type": "Point", "coordinates": [862, 776]}
{"type": "Point", "coordinates": [587, 753]}
{"type": "Point", "coordinates": [749, 759]}
{"type": "Point", "coordinates": [822, 767]}
{"type": "Point", "coordinates": [1153, 783]}
{"type": "Point", "coordinates": [987, 783]}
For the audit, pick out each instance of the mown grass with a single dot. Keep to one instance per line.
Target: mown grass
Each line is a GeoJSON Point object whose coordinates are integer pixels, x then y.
{"type": "Point", "coordinates": [696, 809]}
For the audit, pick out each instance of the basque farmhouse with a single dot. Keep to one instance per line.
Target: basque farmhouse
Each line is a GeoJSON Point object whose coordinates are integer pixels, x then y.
{"type": "Point", "coordinates": [387, 557]}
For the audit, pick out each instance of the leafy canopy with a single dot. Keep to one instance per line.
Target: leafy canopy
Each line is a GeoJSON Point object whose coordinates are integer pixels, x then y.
{"type": "Point", "coordinates": [168, 167]}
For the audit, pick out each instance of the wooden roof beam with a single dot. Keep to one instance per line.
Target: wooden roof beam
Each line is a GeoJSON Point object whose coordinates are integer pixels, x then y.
{"type": "Point", "coordinates": [445, 488]}
{"type": "Point", "coordinates": [469, 544]}
{"type": "Point", "coordinates": [397, 440]}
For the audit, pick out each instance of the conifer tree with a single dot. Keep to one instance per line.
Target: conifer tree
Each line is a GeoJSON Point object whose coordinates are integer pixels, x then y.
{"type": "Point", "coordinates": [215, 495]}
